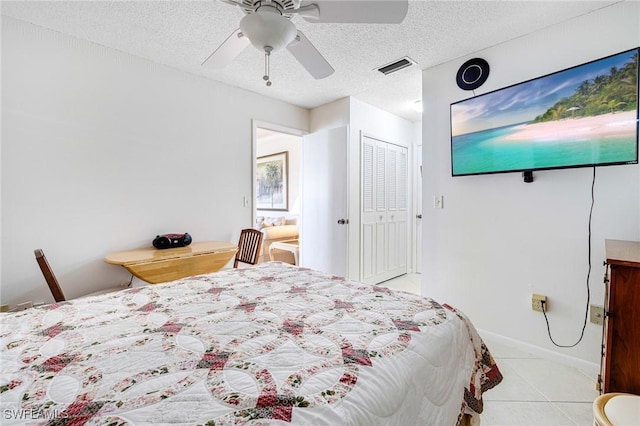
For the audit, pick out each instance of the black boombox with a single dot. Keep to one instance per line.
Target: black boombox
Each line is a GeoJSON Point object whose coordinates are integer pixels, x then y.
{"type": "Point", "coordinates": [171, 240]}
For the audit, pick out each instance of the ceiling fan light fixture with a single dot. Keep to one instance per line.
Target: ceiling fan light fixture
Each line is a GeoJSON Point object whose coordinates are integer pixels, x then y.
{"type": "Point", "coordinates": [267, 27]}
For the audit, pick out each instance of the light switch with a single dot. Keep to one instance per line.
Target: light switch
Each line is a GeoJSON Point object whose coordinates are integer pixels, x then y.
{"type": "Point", "coordinates": [438, 202]}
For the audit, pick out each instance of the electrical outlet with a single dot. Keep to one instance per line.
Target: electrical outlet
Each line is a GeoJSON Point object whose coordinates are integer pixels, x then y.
{"type": "Point", "coordinates": [536, 302]}
{"type": "Point", "coordinates": [596, 314]}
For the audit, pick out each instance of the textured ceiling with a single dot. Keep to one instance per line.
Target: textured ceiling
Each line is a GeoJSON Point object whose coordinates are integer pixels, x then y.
{"type": "Point", "coordinates": [182, 34]}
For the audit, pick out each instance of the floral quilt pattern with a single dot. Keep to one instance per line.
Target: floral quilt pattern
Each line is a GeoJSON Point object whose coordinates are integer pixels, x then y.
{"type": "Point", "coordinates": [262, 345]}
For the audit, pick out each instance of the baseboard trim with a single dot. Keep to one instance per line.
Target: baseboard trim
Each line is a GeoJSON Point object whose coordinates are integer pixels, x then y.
{"type": "Point", "coordinates": [582, 365]}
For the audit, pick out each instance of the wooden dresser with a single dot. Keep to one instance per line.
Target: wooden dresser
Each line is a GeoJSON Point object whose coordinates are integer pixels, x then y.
{"type": "Point", "coordinates": [620, 363]}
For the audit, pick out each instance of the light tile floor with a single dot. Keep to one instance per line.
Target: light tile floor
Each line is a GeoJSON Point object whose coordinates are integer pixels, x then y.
{"type": "Point", "coordinates": [534, 391]}
{"type": "Point", "coordinates": [407, 282]}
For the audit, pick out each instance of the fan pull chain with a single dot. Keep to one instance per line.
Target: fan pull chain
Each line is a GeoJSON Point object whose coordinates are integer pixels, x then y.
{"type": "Point", "coordinates": [267, 53]}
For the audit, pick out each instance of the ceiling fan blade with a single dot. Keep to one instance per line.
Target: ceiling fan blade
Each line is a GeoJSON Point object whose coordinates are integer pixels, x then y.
{"type": "Point", "coordinates": [227, 51]}
{"type": "Point", "coordinates": [357, 11]}
{"type": "Point", "coordinates": [306, 53]}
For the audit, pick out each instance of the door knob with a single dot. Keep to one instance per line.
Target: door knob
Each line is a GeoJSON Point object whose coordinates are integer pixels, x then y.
{"type": "Point", "coordinates": [343, 221]}
{"type": "Point", "coordinates": [418, 216]}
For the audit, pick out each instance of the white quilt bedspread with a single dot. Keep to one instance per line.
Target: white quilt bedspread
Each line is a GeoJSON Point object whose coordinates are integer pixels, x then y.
{"type": "Point", "coordinates": [273, 344]}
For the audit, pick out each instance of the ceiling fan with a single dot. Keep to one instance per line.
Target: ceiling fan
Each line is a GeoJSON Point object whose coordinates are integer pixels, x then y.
{"type": "Point", "coordinates": [267, 25]}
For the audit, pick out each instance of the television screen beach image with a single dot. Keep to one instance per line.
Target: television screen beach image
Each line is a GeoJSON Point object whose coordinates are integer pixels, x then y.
{"type": "Point", "coordinates": [582, 116]}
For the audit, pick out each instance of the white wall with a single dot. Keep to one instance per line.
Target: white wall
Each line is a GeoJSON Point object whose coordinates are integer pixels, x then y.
{"type": "Point", "coordinates": [291, 144]}
{"type": "Point", "coordinates": [331, 115]}
{"type": "Point", "coordinates": [102, 150]}
{"type": "Point", "coordinates": [498, 239]}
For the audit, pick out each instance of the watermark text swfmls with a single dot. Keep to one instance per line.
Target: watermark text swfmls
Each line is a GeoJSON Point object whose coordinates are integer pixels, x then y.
{"type": "Point", "coordinates": [31, 414]}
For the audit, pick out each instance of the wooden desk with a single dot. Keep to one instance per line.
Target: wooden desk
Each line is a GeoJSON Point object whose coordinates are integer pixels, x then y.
{"type": "Point", "coordinates": [158, 266]}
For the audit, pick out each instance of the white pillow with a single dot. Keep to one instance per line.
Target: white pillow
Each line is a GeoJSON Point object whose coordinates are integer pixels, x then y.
{"type": "Point", "coordinates": [274, 221]}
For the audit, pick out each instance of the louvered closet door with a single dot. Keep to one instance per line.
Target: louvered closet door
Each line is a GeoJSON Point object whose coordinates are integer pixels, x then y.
{"type": "Point", "coordinates": [397, 230]}
{"type": "Point", "coordinates": [368, 218]}
{"type": "Point", "coordinates": [380, 242]}
{"type": "Point", "coordinates": [384, 210]}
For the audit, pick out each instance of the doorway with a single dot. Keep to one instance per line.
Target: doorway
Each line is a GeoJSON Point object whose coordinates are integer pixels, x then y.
{"type": "Point", "coordinates": [307, 193]}
{"type": "Point", "coordinates": [277, 187]}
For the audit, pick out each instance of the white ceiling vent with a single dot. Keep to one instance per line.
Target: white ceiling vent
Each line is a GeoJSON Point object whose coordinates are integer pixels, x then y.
{"type": "Point", "coordinates": [396, 65]}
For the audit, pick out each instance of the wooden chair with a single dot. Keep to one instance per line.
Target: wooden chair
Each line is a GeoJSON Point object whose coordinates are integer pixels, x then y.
{"type": "Point", "coordinates": [248, 247]}
{"type": "Point", "coordinates": [52, 281]}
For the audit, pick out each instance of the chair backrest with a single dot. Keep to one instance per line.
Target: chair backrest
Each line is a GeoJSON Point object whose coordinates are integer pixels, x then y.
{"type": "Point", "coordinates": [248, 247]}
{"type": "Point", "coordinates": [49, 277]}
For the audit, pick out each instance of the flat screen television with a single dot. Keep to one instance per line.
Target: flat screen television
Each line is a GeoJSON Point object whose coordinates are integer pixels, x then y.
{"type": "Point", "coordinates": [582, 116]}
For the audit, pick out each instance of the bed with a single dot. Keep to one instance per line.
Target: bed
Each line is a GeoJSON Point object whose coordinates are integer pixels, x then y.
{"type": "Point", "coordinates": [271, 344]}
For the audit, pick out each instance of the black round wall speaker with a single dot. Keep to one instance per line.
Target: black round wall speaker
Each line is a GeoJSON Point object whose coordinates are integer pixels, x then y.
{"type": "Point", "coordinates": [472, 74]}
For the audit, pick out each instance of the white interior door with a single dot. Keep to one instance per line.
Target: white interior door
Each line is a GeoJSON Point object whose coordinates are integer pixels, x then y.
{"type": "Point", "coordinates": [373, 216]}
{"type": "Point", "coordinates": [397, 210]}
{"type": "Point", "coordinates": [418, 233]}
{"type": "Point", "coordinates": [384, 202]}
{"type": "Point", "coordinates": [324, 226]}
